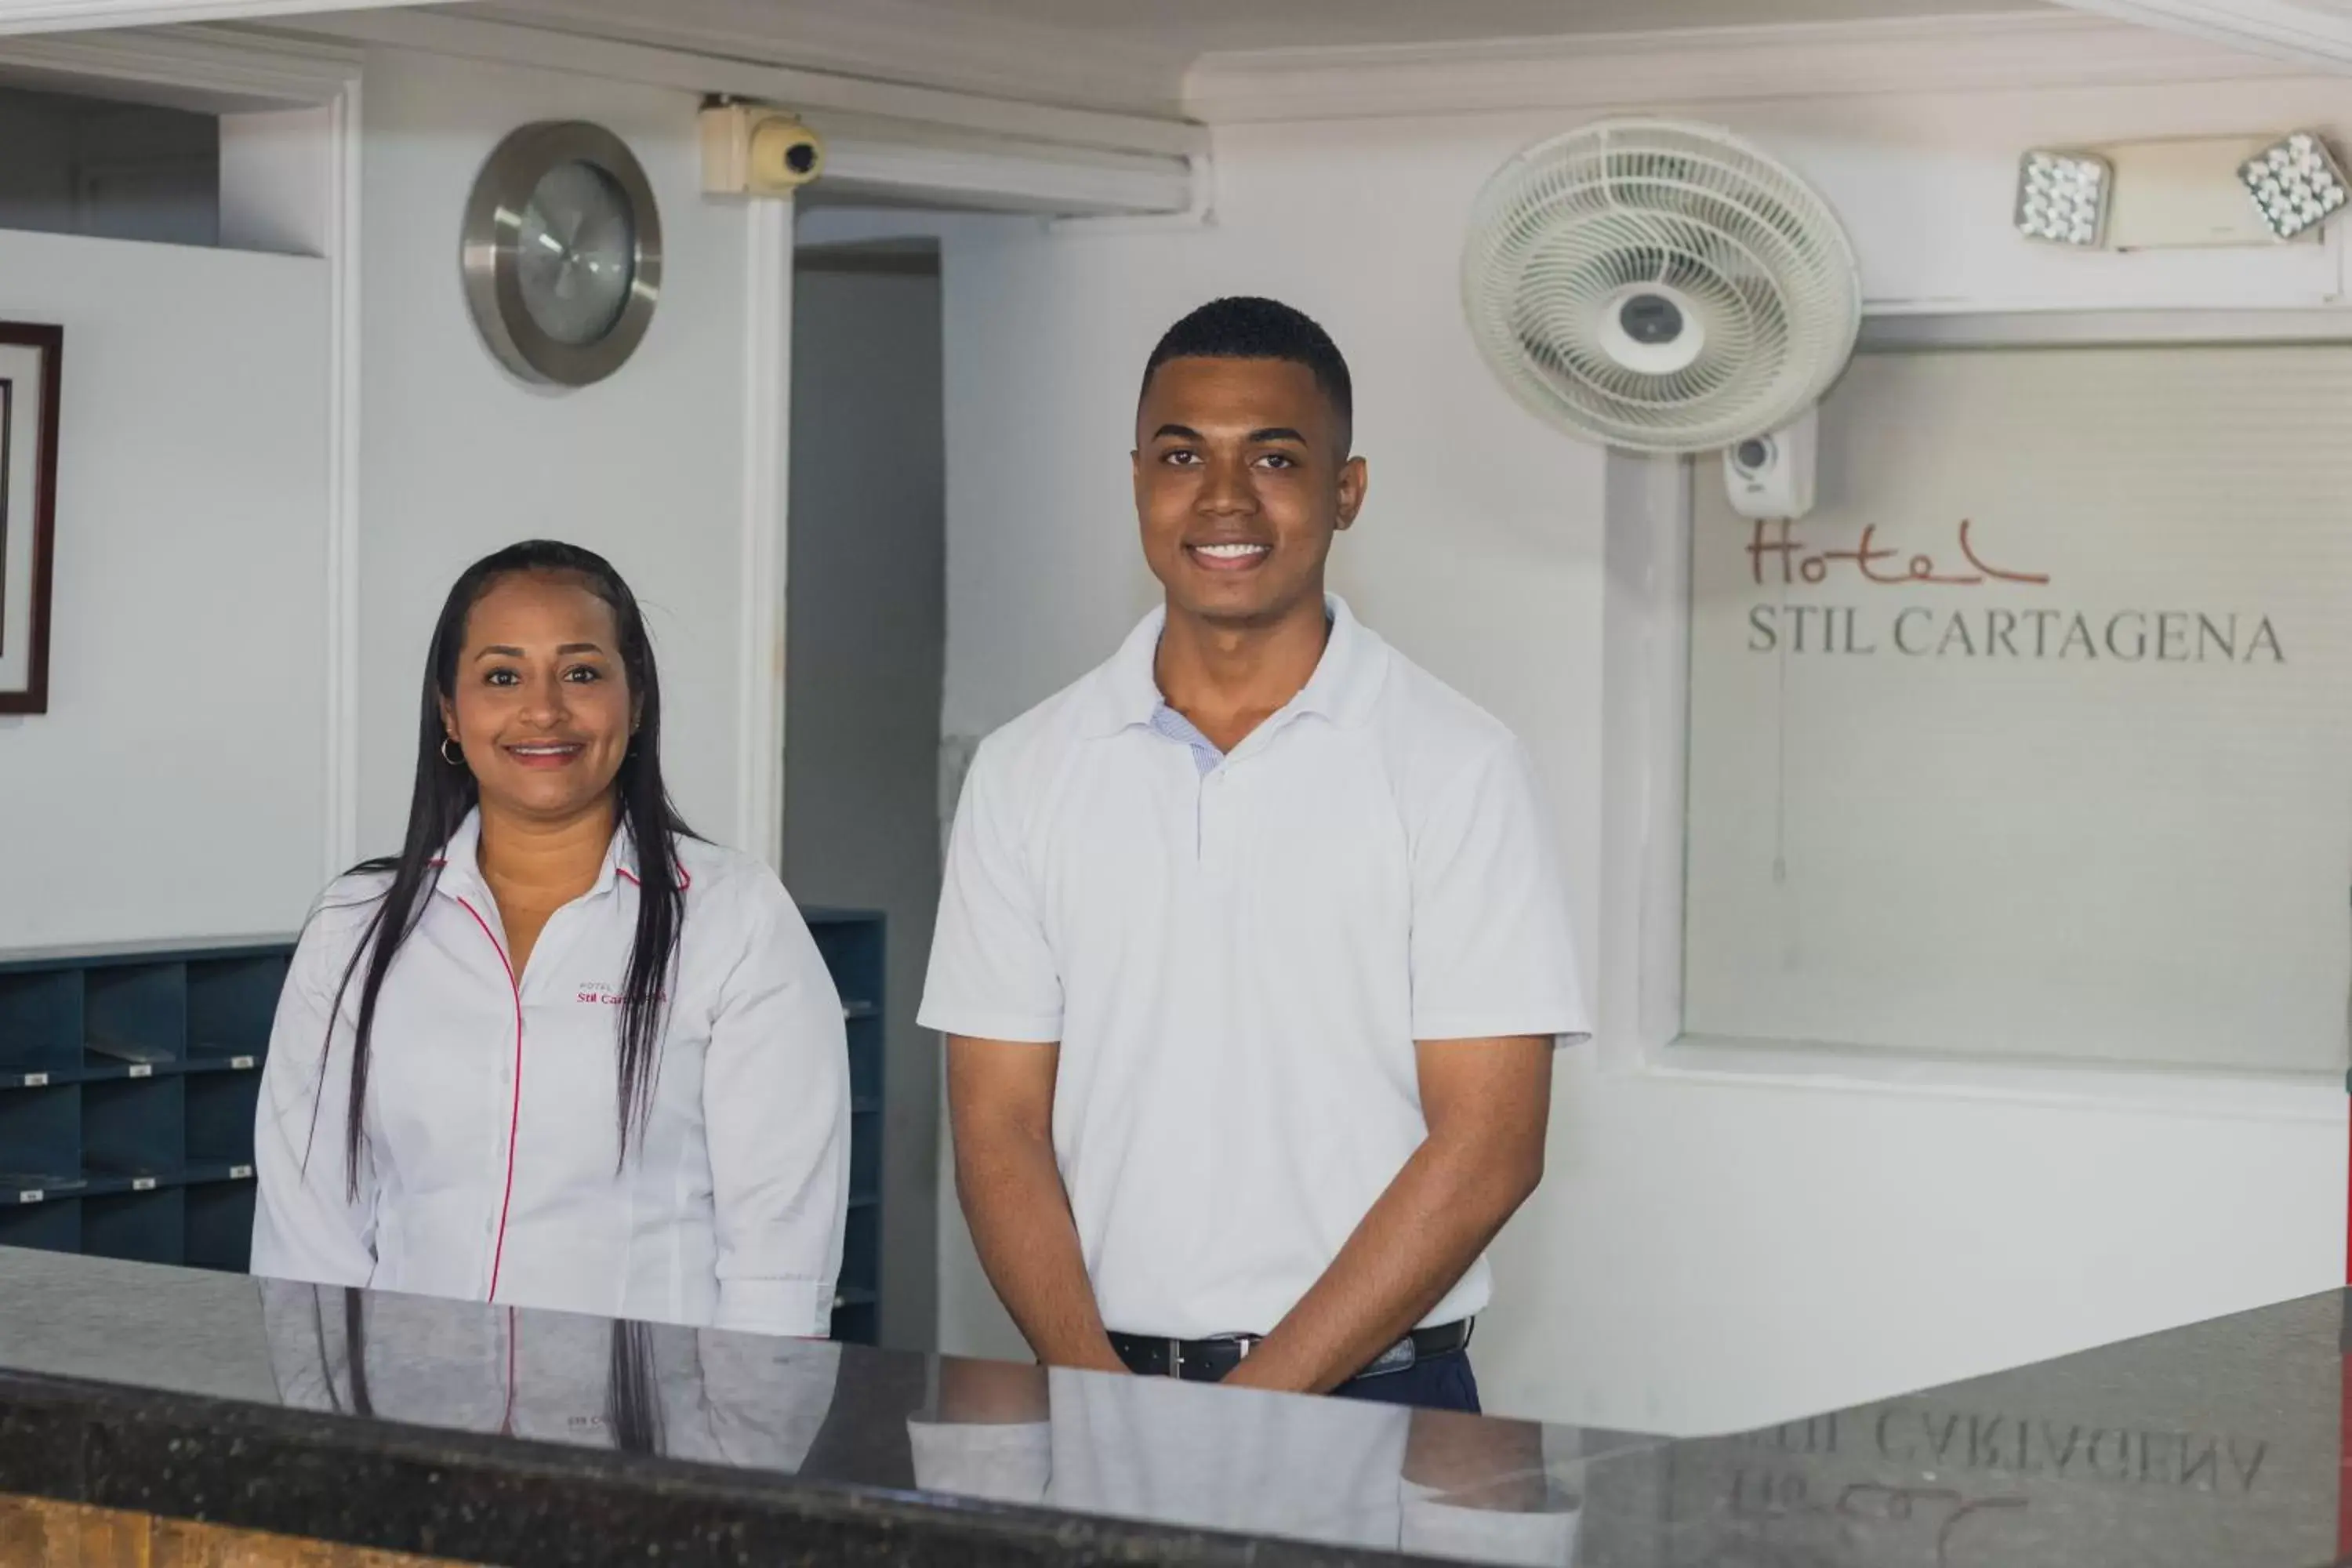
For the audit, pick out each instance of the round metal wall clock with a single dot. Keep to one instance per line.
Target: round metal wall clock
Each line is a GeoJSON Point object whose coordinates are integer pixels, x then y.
{"type": "Point", "coordinates": [561, 253]}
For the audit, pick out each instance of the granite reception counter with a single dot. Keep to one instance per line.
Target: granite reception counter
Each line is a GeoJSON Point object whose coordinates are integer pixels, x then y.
{"type": "Point", "coordinates": [173, 1416]}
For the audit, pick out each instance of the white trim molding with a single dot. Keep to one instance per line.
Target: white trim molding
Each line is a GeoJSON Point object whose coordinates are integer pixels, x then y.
{"type": "Point", "coordinates": [216, 68]}
{"type": "Point", "coordinates": [2090, 329]}
{"type": "Point", "coordinates": [2303, 31]}
{"type": "Point", "coordinates": [343, 483]}
{"type": "Point", "coordinates": [884, 141]}
{"type": "Point", "coordinates": [767, 433]}
{"type": "Point", "coordinates": [225, 72]}
{"type": "Point", "coordinates": [872, 158]}
{"type": "Point", "coordinates": [807, 92]}
{"type": "Point", "coordinates": [70, 15]}
{"type": "Point", "coordinates": [1644, 697]}
{"type": "Point", "coordinates": [1653, 70]}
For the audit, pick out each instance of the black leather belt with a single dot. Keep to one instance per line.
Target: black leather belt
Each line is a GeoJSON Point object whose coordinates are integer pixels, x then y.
{"type": "Point", "coordinates": [1208, 1361]}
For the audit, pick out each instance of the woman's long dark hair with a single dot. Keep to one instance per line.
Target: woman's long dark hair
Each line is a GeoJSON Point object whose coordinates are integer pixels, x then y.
{"type": "Point", "coordinates": [446, 792]}
{"type": "Point", "coordinates": [631, 1394]}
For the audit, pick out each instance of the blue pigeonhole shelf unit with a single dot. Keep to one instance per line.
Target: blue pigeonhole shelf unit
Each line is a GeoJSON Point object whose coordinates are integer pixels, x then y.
{"type": "Point", "coordinates": [127, 1086]}
{"type": "Point", "coordinates": [129, 1076]}
{"type": "Point", "coordinates": [852, 943]}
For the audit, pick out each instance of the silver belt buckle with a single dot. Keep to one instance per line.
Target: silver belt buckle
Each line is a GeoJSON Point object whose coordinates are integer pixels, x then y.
{"type": "Point", "coordinates": [1176, 1359]}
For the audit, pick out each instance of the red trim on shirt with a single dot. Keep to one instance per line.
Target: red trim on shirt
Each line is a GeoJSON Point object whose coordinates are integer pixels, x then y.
{"type": "Point", "coordinates": [684, 878]}
{"type": "Point", "coordinates": [514, 1117]}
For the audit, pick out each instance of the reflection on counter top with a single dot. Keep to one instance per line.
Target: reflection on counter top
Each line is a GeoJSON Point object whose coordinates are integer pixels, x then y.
{"type": "Point", "coordinates": [506, 1435]}
{"type": "Point", "coordinates": [2216, 1446]}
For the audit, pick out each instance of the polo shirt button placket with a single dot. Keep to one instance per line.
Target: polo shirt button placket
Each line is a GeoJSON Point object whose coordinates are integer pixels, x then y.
{"type": "Point", "coordinates": [1216, 828]}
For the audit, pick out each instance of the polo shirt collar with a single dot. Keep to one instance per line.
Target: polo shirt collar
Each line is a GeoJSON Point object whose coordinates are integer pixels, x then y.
{"type": "Point", "coordinates": [1343, 689]}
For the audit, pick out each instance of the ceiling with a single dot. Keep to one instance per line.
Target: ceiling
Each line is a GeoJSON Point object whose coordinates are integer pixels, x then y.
{"type": "Point", "coordinates": [1201, 26]}
{"type": "Point", "coordinates": [1134, 54]}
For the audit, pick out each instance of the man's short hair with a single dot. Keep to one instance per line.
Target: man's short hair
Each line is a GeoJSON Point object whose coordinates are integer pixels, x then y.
{"type": "Point", "coordinates": [1242, 326]}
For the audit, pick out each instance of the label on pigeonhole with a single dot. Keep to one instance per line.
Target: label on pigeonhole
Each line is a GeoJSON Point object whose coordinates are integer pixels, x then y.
{"type": "Point", "coordinates": [33, 1196]}
{"type": "Point", "coordinates": [143, 1183]}
{"type": "Point", "coordinates": [143, 1069]}
{"type": "Point", "coordinates": [239, 1173]}
{"type": "Point", "coordinates": [35, 1079]}
{"type": "Point", "coordinates": [239, 1064]}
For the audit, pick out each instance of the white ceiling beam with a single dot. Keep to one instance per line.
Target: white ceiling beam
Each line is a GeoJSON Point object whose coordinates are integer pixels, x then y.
{"type": "Point", "coordinates": [884, 142]}
{"type": "Point", "coordinates": [2310, 32]}
{"type": "Point", "coordinates": [868, 158]}
{"type": "Point", "coordinates": [1604, 72]}
{"type": "Point", "coordinates": [203, 69]}
{"type": "Point", "coordinates": [433, 31]}
{"type": "Point", "coordinates": [961, 47]}
{"type": "Point", "coordinates": [22, 16]}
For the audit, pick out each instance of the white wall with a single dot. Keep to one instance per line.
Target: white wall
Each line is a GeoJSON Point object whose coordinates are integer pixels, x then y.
{"type": "Point", "coordinates": [1703, 1255]}
{"type": "Point", "coordinates": [458, 458]}
{"type": "Point", "coordinates": [190, 729]}
{"type": "Point", "coordinates": [176, 788]}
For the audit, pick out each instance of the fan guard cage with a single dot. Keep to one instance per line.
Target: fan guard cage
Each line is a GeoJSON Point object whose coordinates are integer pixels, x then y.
{"type": "Point", "coordinates": [1744, 245]}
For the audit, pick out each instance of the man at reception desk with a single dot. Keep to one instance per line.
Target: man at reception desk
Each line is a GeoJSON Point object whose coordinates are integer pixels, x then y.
{"type": "Point", "coordinates": [1253, 947]}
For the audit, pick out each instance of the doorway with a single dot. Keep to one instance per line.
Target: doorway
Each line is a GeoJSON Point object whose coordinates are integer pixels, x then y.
{"type": "Point", "coordinates": [866, 639]}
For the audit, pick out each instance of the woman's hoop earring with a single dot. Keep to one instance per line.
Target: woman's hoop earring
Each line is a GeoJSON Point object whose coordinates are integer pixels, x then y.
{"type": "Point", "coordinates": [459, 759]}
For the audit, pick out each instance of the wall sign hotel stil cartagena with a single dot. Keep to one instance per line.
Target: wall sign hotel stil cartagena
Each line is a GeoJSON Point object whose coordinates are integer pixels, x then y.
{"type": "Point", "coordinates": [2034, 739]}
{"type": "Point", "coordinates": [2019, 627]}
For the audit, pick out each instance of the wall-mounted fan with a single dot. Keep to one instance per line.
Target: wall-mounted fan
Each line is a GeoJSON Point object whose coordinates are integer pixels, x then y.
{"type": "Point", "coordinates": [1660, 287]}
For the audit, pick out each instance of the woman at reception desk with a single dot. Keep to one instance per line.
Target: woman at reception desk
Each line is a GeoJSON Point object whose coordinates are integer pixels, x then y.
{"type": "Point", "coordinates": [558, 1051]}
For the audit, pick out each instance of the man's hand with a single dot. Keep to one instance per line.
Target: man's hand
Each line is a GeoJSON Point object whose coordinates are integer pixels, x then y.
{"type": "Point", "coordinates": [1488, 1106]}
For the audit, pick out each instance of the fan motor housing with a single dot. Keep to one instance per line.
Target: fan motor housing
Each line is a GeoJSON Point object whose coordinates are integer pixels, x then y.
{"type": "Point", "coordinates": [1651, 330]}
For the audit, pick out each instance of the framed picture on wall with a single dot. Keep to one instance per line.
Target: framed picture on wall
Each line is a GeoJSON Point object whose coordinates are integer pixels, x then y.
{"type": "Point", "coordinates": [29, 358]}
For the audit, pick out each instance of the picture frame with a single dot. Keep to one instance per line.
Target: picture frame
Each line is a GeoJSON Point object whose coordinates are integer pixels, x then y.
{"type": "Point", "coordinates": [31, 356]}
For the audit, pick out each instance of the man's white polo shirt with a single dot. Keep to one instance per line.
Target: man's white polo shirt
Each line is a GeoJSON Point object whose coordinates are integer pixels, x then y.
{"type": "Point", "coordinates": [1237, 962]}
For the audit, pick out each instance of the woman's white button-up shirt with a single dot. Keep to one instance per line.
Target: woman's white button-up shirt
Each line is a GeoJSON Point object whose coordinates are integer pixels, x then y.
{"type": "Point", "coordinates": [491, 1165]}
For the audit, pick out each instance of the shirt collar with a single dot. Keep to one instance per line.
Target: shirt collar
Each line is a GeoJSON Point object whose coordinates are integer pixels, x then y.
{"type": "Point", "coordinates": [460, 859]}
{"type": "Point", "coordinates": [458, 862]}
{"type": "Point", "coordinates": [1124, 691]}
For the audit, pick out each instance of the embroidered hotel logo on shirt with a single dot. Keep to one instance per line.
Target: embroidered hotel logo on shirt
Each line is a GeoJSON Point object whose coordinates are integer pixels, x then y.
{"type": "Point", "coordinates": [596, 990]}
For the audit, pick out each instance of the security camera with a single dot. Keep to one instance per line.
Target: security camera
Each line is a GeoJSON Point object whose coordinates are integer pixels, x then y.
{"type": "Point", "coordinates": [752, 150]}
{"type": "Point", "coordinates": [784, 154]}
{"type": "Point", "coordinates": [1770, 474]}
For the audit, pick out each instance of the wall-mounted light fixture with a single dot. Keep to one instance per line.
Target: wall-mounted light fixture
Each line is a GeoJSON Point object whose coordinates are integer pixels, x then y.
{"type": "Point", "coordinates": [2062, 197]}
{"type": "Point", "coordinates": [2180, 193]}
{"type": "Point", "coordinates": [2295, 182]}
